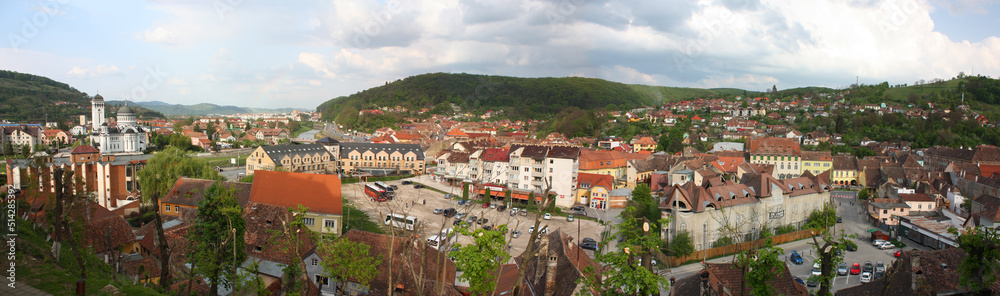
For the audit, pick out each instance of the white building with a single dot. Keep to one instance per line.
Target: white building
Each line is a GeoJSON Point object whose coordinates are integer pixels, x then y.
{"type": "Point", "coordinates": [126, 137]}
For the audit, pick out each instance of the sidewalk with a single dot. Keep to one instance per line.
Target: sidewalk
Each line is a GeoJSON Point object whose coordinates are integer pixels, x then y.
{"type": "Point", "coordinates": [22, 289]}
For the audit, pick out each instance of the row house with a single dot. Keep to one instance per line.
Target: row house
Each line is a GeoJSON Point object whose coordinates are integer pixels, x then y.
{"type": "Point", "coordinates": [272, 135]}
{"type": "Point", "coordinates": [750, 205]}
{"type": "Point", "coordinates": [454, 167]}
{"type": "Point", "coordinates": [306, 158]}
{"type": "Point", "coordinates": [783, 153]}
{"type": "Point", "coordinates": [489, 165]}
{"type": "Point", "coordinates": [845, 171]}
{"type": "Point", "coordinates": [816, 162]}
{"type": "Point", "coordinates": [372, 157]}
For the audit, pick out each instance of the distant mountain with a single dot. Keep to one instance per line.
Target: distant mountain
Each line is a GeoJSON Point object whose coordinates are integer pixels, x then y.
{"type": "Point", "coordinates": [200, 109]}
{"type": "Point", "coordinates": [32, 98]}
{"type": "Point", "coordinates": [521, 97]}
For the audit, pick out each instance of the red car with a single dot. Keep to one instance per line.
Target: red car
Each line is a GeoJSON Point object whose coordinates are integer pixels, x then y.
{"type": "Point", "coordinates": [856, 268]}
{"type": "Point", "coordinates": [897, 253]}
{"type": "Point", "coordinates": [486, 205]}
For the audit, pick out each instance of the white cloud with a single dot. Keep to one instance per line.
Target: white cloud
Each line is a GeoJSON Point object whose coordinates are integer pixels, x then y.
{"type": "Point", "coordinates": [960, 7]}
{"type": "Point", "coordinates": [159, 35]}
{"type": "Point", "coordinates": [98, 71]}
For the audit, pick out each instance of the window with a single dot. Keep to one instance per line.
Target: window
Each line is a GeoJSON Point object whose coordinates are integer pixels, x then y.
{"type": "Point", "coordinates": [258, 249]}
{"type": "Point", "coordinates": [314, 262]}
{"type": "Point", "coordinates": [177, 209]}
{"type": "Point", "coordinates": [330, 223]}
{"type": "Point", "coordinates": [166, 208]}
{"type": "Point", "coordinates": [309, 221]}
{"type": "Point", "coordinates": [885, 211]}
{"type": "Point", "coordinates": [920, 207]}
{"type": "Point", "coordinates": [321, 279]}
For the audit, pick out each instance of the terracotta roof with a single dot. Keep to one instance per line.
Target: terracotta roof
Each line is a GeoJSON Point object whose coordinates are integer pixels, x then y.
{"type": "Point", "coordinates": [587, 180]}
{"type": "Point", "coordinates": [601, 159]}
{"type": "Point", "coordinates": [991, 207]}
{"type": "Point", "coordinates": [775, 145]}
{"type": "Point", "coordinates": [83, 149]}
{"type": "Point", "coordinates": [848, 163]}
{"type": "Point", "coordinates": [191, 191]}
{"type": "Point", "coordinates": [725, 275]}
{"type": "Point", "coordinates": [816, 156]}
{"type": "Point", "coordinates": [495, 155]}
{"type": "Point", "coordinates": [916, 197]}
{"type": "Point", "coordinates": [645, 141]}
{"type": "Point", "coordinates": [265, 229]}
{"type": "Point", "coordinates": [458, 157]}
{"type": "Point", "coordinates": [568, 268]}
{"type": "Point", "coordinates": [108, 233]}
{"type": "Point", "coordinates": [319, 193]}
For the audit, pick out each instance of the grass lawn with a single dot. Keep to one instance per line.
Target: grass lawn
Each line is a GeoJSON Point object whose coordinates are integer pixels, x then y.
{"type": "Point", "coordinates": [221, 161]}
{"type": "Point", "coordinates": [304, 126]}
{"type": "Point", "coordinates": [358, 219]}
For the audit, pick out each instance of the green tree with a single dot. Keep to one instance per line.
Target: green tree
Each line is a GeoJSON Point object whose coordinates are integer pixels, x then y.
{"type": "Point", "coordinates": [346, 260]}
{"type": "Point", "coordinates": [486, 198]}
{"type": "Point", "coordinates": [978, 270]}
{"type": "Point", "coordinates": [465, 191]}
{"type": "Point", "coordinates": [822, 218]}
{"type": "Point", "coordinates": [481, 260]}
{"type": "Point", "coordinates": [646, 206]}
{"type": "Point", "coordinates": [863, 194]}
{"type": "Point", "coordinates": [682, 244]}
{"type": "Point", "coordinates": [629, 270]}
{"type": "Point", "coordinates": [161, 172]}
{"type": "Point", "coordinates": [829, 248]}
{"type": "Point", "coordinates": [760, 266]}
{"type": "Point", "coordinates": [217, 237]}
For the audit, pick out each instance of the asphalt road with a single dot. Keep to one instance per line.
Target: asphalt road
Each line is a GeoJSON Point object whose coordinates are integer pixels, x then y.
{"type": "Point", "coordinates": [331, 129]}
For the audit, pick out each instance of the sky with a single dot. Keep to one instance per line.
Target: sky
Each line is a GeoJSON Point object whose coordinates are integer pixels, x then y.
{"type": "Point", "coordinates": [275, 54]}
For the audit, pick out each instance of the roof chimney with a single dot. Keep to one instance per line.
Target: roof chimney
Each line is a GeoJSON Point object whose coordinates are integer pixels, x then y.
{"type": "Point", "coordinates": [944, 266]}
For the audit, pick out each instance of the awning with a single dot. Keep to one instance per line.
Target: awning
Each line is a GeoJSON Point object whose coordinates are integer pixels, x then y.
{"type": "Point", "coordinates": [871, 230]}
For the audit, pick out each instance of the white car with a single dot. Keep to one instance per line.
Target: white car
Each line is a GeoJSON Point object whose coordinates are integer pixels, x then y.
{"type": "Point", "coordinates": [878, 242]}
{"type": "Point", "coordinates": [816, 268]}
{"type": "Point", "coordinates": [866, 277]}
{"type": "Point", "coordinates": [886, 245]}
{"type": "Point", "coordinates": [547, 216]}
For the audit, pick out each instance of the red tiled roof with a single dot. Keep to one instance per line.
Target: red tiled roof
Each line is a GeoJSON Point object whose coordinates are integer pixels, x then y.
{"type": "Point", "coordinates": [190, 191]}
{"type": "Point", "coordinates": [320, 193]}
{"type": "Point", "coordinates": [83, 149]}
{"type": "Point", "coordinates": [774, 145]}
{"type": "Point", "coordinates": [588, 180]}
{"type": "Point", "coordinates": [495, 155]}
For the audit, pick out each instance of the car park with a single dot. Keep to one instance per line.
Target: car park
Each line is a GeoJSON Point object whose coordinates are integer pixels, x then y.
{"type": "Point", "coordinates": [842, 269]}
{"type": "Point", "coordinates": [569, 218]}
{"type": "Point", "coordinates": [577, 208]}
{"type": "Point", "coordinates": [795, 257]}
{"type": "Point", "coordinates": [438, 211]}
{"type": "Point", "coordinates": [856, 268]}
{"type": "Point", "coordinates": [547, 216]}
{"type": "Point", "coordinates": [868, 267]}
{"type": "Point", "coordinates": [866, 277]}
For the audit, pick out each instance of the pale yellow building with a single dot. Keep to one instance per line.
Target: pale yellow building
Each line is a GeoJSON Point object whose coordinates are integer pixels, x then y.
{"type": "Point", "coordinates": [307, 158]}
{"type": "Point", "coordinates": [357, 157]}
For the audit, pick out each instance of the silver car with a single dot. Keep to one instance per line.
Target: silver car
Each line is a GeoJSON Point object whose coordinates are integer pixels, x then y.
{"type": "Point", "coordinates": [842, 269]}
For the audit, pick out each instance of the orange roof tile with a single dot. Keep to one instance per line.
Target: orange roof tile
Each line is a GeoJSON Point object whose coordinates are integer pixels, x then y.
{"type": "Point", "coordinates": [320, 193]}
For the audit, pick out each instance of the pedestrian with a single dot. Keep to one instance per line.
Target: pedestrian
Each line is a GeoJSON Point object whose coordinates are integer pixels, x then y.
{"type": "Point", "coordinates": [425, 202]}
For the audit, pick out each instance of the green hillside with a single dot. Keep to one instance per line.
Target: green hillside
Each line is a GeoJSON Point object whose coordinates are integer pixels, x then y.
{"type": "Point", "coordinates": [519, 97]}
{"type": "Point", "coordinates": [982, 94]}
{"type": "Point", "coordinates": [29, 98]}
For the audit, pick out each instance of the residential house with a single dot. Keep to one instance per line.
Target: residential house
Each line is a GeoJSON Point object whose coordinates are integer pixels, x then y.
{"type": "Point", "coordinates": [269, 242]}
{"type": "Point", "coordinates": [644, 144]}
{"type": "Point", "coordinates": [534, 168]}
{"type": "Point", "coordinates": [52, 136]}
{"type": "Point", "coordinates": [919, 203]}
{"type": "Point", "coordinates": [305, 158]}
{"type": "Point", "coordinates": [380, 158]}
{"type": "Point", "coordinates": [783, 153]}
{"type": "Point", "coordinates": [113, 179]}
{"type": "Point", "coordinates": [886, 211]}
{"type": "Point", "coordinates": [816, 162]}
{"type": "Point", "coordinates": [604, 162]}
{"type": "Point", "coordinates": [593, 189]}
{"type": "Point", "coordinates": [319, 193]}
{"type": "Point", "coordinates": [187, 193]}
{"type": "Point", "coordinates": [23, 135]}
{"type": "Point", "coordinates": [619, 198]}
{"type": "Point", "coordinates": [845, 171]}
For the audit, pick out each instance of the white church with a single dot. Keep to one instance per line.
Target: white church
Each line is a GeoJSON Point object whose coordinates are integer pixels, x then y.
{"type": "Point", "coordinates": [125, 137]}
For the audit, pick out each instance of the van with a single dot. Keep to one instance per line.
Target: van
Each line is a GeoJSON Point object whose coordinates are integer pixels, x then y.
{"type": "Point", "coordinates": [439, 238]}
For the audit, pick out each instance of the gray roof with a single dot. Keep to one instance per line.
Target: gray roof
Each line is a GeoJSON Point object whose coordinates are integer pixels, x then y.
{"type": "Point", "coordinates": [621, 192]}
{"type": "Point", "coordinates": [267, 267]}
{"type": "Point", "coordinates": [346, 148]}
{"type": "Point", "coordinates": [280, 151]}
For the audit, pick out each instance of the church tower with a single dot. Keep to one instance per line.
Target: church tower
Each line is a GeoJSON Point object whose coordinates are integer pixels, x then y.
{"type": "Point", "coordinates": [97, 112]}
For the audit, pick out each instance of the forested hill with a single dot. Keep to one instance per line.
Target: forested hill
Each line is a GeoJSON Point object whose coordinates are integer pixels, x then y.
{"type": "Point", "coordinates": [519, 97]}
{"type": "Point", "coordinates": [26, 97]}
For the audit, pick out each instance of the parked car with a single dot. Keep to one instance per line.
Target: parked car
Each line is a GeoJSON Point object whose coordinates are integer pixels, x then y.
{"type": "Point", "coordinates": [588, 245]}
{"type": "Point", "coordinates": [486, 205]}
{"type": "Point", "coordinates": [438, 211]}
{"type": "Point", "coordinates": [457, 222]}
{"type": "Point", "coordinates": [449, 212]}
{"type": "Point", "coordinates": [545, 229]}
{"type": "Point", "coordinates": [501, 208]}
{"type": "Point", "coordinates": [407, 182]}
{"type": "Point", "coordinates": [515, 234]}
{"type": "Point", "coordinates": [394, 187]}
{"type": "Point", "coordinates": [463, 202]}
{"type": "Point", "coordinates": [580, 213]}
{"type": "Point", "coordinates": [492, 205]}
{"type": "Point", "coordinates": [842, 269]}
{"type": "Point", "coordinates": [878, 275]}
{"type": "Point", "coordinates": [840, 220]}
{"type": "Point", "coordinates": [569, 218]}
{"type": "Point", "coordinates": [868, 267]}
{"type": "Point", "coordinates": [817, 270]}
{"type": "Point", "coordinates": [472, 219]}
{"type": "Point", "coordinates": [483, 221]}
{"type": "Point", "coordinates": [886, 246]}
{"type": "Point", "coordinates": [487, 227]}
{"type": "Point", "coordinates": [866, 277]}
{"type": "Point", "coordinates": [795, 257]}
{"type": "Point", "coordinates": [448, 196]}
{"type": "Point", "coordinates": [418, 186]}
{"type": "Point", "coordinates": [547, 216]}
{"type": "Point", "coordinates": [878, 242]}
{"type": "Point", "coordinates": [524, 212]}
{"type": "Point", "coordinates": [813, 281]}
{"type": "Point", "coordinates": [897, 253]}
{"type": "Point", "coordinates": [577, 208]}
{"type": "Point", "coordinates": [460, 215]}
{"type": "Point", "coordinates": [856, 268]}
{"type": "Point", "coordinates": [851, 246]}
{"type": "Point", "coordinates": [799, 280]}
{"type": "Point", "coordinates": [879, 266]}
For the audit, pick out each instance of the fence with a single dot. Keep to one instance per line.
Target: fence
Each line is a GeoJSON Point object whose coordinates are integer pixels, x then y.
{"type": "Point", "coordinates": [732, 249]}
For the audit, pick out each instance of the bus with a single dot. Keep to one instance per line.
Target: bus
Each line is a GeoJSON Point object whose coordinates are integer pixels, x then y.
{"type": "Point", "coordinates": [377, 194]}
{"type": "Point", "coordinates": [400, 221]}
{"type": "Point", "coordinates": [383, 186]}
{"type": "Point", "coordinates": [440, 238]}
